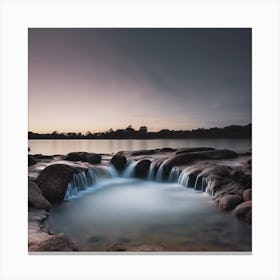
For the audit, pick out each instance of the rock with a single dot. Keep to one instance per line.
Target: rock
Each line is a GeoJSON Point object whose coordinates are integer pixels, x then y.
{"type": "Point", "coordinates": [40, 157]}
{"type": "Point", "coordinates": [142, 168]}
{"type": "Point", "coordinates": [58, 242]}
{"type": "Point", "coordinates": [143, 152]}
{"type": "Point", "coordinates": [190, 150]}
{"type": "Point", "coordinates": [76, 156]}
{"type": "Point", "coordinates": [244, 179]}
{"type": "Point", "coordinates": [247, 195]}
{"type": "Point", "coordinates": [93, 158]}
{"type": "Point", "coordinates": [53, 181]}
{"type": "Point", "coordinates": [36, 198]}
{"type": "Point", "coordinates": [244, 211]}
{"type": "Point", "coordinates": [229, 202]}
{"type": "Point", "coordinates": [119, 162]}
{"type": "Point", "coordinates": [216, 154]}
{"type": "Point", "coordinates": [166, 150]}
{"type": "Point", "coordinates": [31, 160]}
{"type": "Point", "coordinates": [215, 185]}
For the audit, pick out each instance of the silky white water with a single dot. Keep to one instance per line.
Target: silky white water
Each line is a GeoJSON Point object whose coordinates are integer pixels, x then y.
{"type": "Point", "coordinates": [132, 212]}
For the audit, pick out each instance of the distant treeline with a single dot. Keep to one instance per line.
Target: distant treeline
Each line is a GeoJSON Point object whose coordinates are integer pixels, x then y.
{"type": "Point", "coordinates": [233, 131]}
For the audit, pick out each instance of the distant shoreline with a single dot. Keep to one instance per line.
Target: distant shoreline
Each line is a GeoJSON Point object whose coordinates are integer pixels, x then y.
{"type": "Point", "coordinates": [229, 132]}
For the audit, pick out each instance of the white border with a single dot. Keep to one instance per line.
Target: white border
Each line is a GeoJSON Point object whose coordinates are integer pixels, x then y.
{"type": "Point", "coordinates": [262, 16]}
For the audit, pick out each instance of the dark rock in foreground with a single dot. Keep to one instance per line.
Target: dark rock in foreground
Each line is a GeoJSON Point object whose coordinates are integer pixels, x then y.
{"type": "Point", "coordinates": [31, 160]}
{"type": "Point", "coordinates": [39, 239]}
{"type": "Point", "coordinates": [54, 179]}
{"type": "Point", "coordinates": [58, 242]}
{"type": "Point", "coordinates": [35, 197]}
{"type": "Point", "coordinates": [244, 211]}
{"type": "Point", "coordinates": [119, 162]}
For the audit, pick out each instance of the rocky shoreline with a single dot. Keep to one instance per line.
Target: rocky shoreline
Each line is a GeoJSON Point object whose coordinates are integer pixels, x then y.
{"type": "Point", "coordinates": [224, 174]}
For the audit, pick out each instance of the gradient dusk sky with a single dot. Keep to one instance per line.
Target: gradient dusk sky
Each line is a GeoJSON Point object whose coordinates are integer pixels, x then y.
{"type": "Point", "coordinates": [95, 79]}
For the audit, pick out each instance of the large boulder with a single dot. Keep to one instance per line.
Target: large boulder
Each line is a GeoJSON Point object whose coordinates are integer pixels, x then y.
{"type": "Point", "coordinates": [76, 156]}
{"type": "Point", "coordinates": [244, 211]}
{"type": "Point", "coordinates": [247, 195]}
{"type": "Point", "coordinates": [58, 242]}
{"type": "Point", "coordinates": [35, 197]}
{"type": "Point", "coordinates": [53, 181]}
{"type": "Point", "coordinates": [229, 202]}
{"type": "Point", "coordinates": [142, 168]}
{"type": "Point", "coordinates": [119, 162]}
{"type": "Point", "coordinates": [31, 160]}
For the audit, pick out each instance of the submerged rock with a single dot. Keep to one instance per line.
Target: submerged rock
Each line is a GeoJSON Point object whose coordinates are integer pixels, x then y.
{"type": "Point", "coordinates": [54, 179]}
{"type": "Point", "coordinates": [119, 162]}
{"type": "Point", "coordinates": [36, 198]}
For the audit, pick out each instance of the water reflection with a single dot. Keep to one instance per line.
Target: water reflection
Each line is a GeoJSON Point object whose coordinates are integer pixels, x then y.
{"type": "Point", "coordinates": [51, 147]}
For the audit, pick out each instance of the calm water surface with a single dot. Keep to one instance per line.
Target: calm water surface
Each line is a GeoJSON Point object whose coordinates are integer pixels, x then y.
{"type": "Point", "coordinates": [51, 147]}
{"type": "Point", "coordinates": [132, 212]}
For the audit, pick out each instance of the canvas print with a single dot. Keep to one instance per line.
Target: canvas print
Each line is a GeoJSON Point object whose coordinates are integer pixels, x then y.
{"type": "Point", "coordinates": [139, 140]}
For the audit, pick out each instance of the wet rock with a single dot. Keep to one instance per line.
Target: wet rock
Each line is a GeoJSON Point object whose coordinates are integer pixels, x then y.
{"type": "Point", "coordinates": [166, 150]}
{"type": "Point", "coordinates": [190, 150]}
{"type": "Point", "coordinates": [244, 211]}
{"type": "Point", "coordinates": [119, 162]}
{"type": "Point", "coordinates": [229, 202]}
{"type": "Point", "coordinates": [142, 168]}
{"type": "Point", "coordinates": [42, 157]}
{"type": "Point", "coordinates": [244, 179]}
{"type": "Point", "coordinates": [58, 242]}
{"type": "Point", "coordinates": [36, 198]}
{"type": "Point", "coordinates": [247, 195]}
{"type": "Point", "coordinates": [31, 160]}
{"type": "Point", "coordinates": [216, 154]}
{"type": "Point", "coordinates": [53, 181]}
{"type": "Point", "coordinates": [93, 158]}
{"type": "Point", "coordinates": [76, 156]}
{"type": "Point", "coordinates": [143, 152]}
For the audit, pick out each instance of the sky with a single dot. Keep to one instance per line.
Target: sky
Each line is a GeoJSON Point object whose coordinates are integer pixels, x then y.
{"type": "Point", "coordinates": [94, 79]}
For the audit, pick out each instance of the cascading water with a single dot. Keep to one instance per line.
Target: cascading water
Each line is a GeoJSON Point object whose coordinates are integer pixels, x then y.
{"type": "Point", "coordinates": [185, 176]}
{"type": "Point", "coordinates": [174, 175]}
{"type": "Point", "coordinates": [130, 170]}
{"type": "Point", "coordinates": [151, 171]}
{"type": "Point", "coordinates": [86, 179]}
{"type": "Point", "coordinates": [94, 175]}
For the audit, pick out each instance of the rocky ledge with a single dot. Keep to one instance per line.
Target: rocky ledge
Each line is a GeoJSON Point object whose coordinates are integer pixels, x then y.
{"type": "Point", "coordinates": [224, 174]}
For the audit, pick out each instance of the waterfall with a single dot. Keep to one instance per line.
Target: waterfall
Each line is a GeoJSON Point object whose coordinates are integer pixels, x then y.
{"type": "Point", "coordinates": [130, 170]}
{"type": "Point", "coordinates": [86, 179]}
{"type": "Point", "coordinates": [151, 170]}
{"type": "Point", "coordinates": [185, 176]}
{"type": "Point", "coordinates": [174, 175]}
